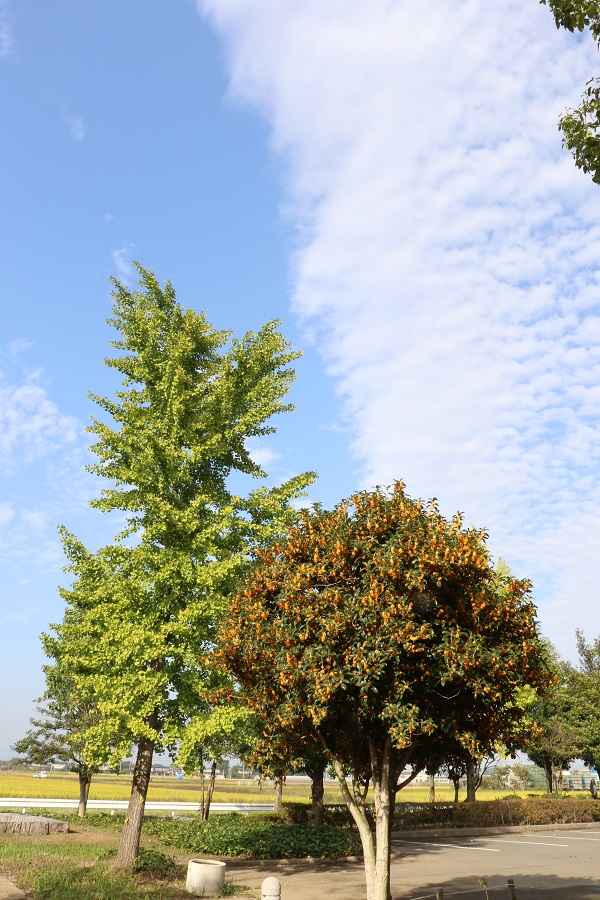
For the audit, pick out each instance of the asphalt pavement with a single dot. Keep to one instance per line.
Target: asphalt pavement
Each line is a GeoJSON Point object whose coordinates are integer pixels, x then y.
{"type": "Point", "coordinates": [558, 865]}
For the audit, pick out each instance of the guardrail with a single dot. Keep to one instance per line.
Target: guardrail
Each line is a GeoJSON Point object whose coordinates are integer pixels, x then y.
{"type": "Point", "coordinates": [179, 806]}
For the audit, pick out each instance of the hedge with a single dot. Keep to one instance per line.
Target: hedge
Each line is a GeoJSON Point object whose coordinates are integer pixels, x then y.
{"type": "Point", "coordinates": [483, 813]}
{"type": "Point", "coordinates": [491, 813]}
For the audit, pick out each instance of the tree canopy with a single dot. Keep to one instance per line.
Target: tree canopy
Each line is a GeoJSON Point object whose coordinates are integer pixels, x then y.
{"type": "Point", "coordinates": [141, 611]}
{"type": "Point", "coordinates": [581, 126]}
{"type": "Point", "coordinates": [383, 626]}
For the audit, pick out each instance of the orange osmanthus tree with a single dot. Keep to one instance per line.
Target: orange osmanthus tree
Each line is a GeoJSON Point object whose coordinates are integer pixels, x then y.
{"type": "Point", "coordinates": [382, 628]}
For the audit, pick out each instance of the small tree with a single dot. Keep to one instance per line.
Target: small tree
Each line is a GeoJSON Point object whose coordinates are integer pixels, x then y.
{"type": "Point", "coordinates": [211, 736]}
{"type": "Point", "coordinates": [382, 624]}
{"type": "Point", "coordinates": [55, 736]}
{"type": "Point", "coordinates": [554, 739]}
{"type": "Point", "coordinates": [583, 686]}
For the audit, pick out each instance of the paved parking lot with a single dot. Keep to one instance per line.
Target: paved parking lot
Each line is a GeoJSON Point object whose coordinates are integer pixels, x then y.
{"type": "Point", "coordinates": [559, 865]}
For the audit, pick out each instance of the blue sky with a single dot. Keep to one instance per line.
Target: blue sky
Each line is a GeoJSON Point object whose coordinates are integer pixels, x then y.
{"type": "Point", "coordinates": [391, 186]}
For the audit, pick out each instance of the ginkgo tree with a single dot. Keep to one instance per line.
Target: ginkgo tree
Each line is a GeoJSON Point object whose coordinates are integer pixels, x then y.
{"type": "Point", "coordinates": [142, 612]}
{"type": "Point", "coordinates": [384, 626]}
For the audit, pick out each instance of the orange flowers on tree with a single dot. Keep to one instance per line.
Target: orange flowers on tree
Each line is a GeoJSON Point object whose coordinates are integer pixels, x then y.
{"type": "Point", "coordinates": [382, 629]}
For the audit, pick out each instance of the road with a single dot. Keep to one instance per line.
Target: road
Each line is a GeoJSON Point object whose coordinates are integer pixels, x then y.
{"type": "Point", "coordinates": [559, 865]}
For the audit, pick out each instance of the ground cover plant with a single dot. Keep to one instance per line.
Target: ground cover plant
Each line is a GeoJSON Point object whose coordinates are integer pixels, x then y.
{"type": "Point", "coordinates": [254, 837]}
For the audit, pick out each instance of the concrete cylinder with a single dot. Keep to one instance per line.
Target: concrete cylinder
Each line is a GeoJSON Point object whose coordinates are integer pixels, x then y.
{"type": "Point", "coordinates": [271, 889]}
{"type": "Point", "coordinates": [205, 877]}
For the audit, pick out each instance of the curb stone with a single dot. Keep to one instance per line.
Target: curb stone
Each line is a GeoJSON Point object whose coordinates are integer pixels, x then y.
{"type": "Point", "coordinates": [235, 862]}
{"type": "Point", "coordinates": [8, 891]}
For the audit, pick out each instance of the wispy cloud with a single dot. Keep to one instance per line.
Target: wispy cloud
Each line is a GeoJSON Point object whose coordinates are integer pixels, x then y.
{"type": "Point", "coordinates": [7, 513]}
{"type": "Point", "coordinates": [74, 124]}
{"type": "Point", "coordinates": [122, 261]}
{"type": "Point", "coordinates": [447, 257]}
{"type": "Point", "coordinates": [31, 425]}
{"type": "Point", "coordinates": [263, 455]}
{"type": "Point", "coordinates": [16, 347]}
{"type": "Point", "coordinates": [6, 38]}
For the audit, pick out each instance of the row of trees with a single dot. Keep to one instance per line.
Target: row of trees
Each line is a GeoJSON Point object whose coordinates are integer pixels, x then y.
{"type": "Point", "coordinates": [567, 715]}
{"type": "Point", "coordinates": [368, 638]}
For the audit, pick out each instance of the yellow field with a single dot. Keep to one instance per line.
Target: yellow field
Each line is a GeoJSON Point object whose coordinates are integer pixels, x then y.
{"type": "Point", "coordinates": [117, 787]}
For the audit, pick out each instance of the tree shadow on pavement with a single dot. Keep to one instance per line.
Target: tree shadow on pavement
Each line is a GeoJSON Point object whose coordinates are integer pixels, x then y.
{"type": "Point", "coordinates": [528, 887]}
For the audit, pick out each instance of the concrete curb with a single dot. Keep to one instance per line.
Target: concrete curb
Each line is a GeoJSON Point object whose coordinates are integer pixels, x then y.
{"type": "Point", "coordinates": [234, 863]}
{"type": "Point", "coordinates": [8, 891]}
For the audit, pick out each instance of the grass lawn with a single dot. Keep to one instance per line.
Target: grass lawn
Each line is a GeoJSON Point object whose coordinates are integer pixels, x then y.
{"type": "Point", "coordinates": [76, 866]}
{"type": "Point", "coordinates": [117, 787]}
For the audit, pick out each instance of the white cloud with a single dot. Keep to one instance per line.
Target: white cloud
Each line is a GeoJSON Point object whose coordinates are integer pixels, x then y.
{"type": "Point", "coordinates": [6, 38]}
{"type": "Point", "coordinates": [263, 455]}
{"type": "Point", "coordinates": [447, 257]}
{"type": "Point", "coordinates": [7, 513]}
{"type": "Point", "coordinates": [122, 259]}
{"type": "Point", "coordinates": [35, 521]}
{"type": "Point", "coordinates": [16, 347]}
{"type": "Point", "coordinates": [75, 125]}
{"type": "Point", "coordinates": [31, 425]}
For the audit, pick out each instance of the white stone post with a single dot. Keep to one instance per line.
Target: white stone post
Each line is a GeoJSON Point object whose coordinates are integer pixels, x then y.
{"type": "Point", "coordinates": [271, 889]}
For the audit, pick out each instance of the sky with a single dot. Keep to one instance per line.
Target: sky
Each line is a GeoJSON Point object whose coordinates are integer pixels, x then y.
{"type": "Point", "coordinates": [388, 181]}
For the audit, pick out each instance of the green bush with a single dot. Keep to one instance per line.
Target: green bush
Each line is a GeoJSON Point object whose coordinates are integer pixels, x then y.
{"type": "Point", "coordinates": [252, 837]}
{"type": "Point", "coordinates": [154, 863]}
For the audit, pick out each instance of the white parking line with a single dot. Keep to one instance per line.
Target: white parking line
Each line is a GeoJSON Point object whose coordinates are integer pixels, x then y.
{"type": "Point", "coordinates": [571, 838]}
{"type": "Point", "coordinates": [452, 846]}
{"type": "Point", "coordinates": [523, 843]}
{"type": "Point", "coordinates": [577, 831]}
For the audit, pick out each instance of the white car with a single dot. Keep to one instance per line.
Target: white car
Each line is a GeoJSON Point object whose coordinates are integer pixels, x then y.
{"type": "Point", "coordinates": [40, 775]}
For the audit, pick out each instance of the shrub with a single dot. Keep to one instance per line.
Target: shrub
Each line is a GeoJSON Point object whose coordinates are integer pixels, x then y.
{"type": "Point", "coordinates": [154, 863]}
{"type": "Point", "coordinates": [252, 838]}
{"type": "Point", "coordinates": [509, 811]}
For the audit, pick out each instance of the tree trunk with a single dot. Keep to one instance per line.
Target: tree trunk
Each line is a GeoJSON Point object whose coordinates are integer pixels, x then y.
{"type": "Point", "coordinates": [278, 794]}
{"type": "Point", "coordinates": [383, 793]}
{"type": "Point", "coordinates": [431, 798]}
{"type": "Point", "coordinates": [471, 783]}
{"type": "Point", "coordinates": [132, 829]}
{"type": "Point", "coordinates": [456, 783]}
{"type": "Point", "coordinates": [376, 847]}
{"type": "Point", "coordinates": [317, 790]}
{"type": "Point", "coordinates": [549, 777]}
{"type": "Point", "coordinates": [84, 790]}
{"type": "Point", "coordinates": [211, 786]}
{"type": "Point", "coordinates": [202, 816]}
{"type": "Point", "coordinates": [558, 781]}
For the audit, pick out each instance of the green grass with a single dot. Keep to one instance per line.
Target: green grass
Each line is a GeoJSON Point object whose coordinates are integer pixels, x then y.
{"type": "Point", "coordinates": [77, 871]}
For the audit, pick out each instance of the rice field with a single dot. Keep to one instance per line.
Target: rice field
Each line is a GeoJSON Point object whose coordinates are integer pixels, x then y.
{"type": "Point", "coordinates": [117, 787]}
